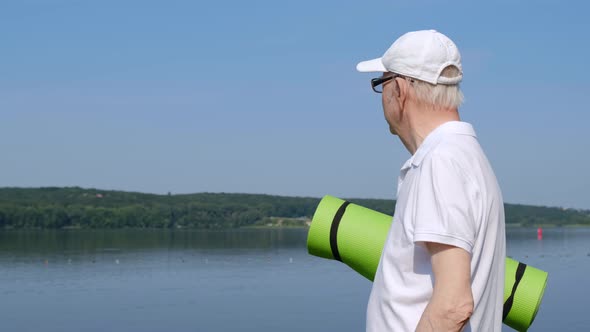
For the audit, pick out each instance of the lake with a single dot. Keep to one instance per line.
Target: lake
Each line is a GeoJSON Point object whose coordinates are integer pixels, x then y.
{"type": "Point", "coordinates": [230, 280]}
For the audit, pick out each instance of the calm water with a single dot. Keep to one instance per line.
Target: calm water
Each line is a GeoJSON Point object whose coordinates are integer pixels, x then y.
{"type": "Point", "coordinates": [238, 280]}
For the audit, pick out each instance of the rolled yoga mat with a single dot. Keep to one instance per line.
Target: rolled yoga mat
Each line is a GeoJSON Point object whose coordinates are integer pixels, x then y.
{"type": "Point", "coordinates": [356, 235]}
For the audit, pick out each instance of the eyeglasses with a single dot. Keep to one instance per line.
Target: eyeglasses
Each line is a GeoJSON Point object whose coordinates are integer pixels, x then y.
{"type": "Point", "coordinates": [377, 83]}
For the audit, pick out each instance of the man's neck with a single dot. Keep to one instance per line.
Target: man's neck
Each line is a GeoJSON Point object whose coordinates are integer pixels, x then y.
{"type": "Point", "coordinates": [422, 122]}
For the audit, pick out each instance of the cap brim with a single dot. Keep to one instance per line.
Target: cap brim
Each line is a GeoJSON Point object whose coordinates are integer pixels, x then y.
{"type": "Point", "coordinates": [371, 66]}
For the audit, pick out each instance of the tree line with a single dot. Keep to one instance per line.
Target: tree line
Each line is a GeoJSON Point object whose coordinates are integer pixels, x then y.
{"type": "Point", "coordinates": [74, 207]}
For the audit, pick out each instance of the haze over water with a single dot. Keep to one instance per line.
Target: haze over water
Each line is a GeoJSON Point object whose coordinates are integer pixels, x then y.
{"type": "Point", "coordinates": [233, 280]}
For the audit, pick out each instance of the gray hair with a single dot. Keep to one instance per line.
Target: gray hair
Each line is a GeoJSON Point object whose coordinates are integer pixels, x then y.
{"type": "Point", "coordinates": [440, 95]}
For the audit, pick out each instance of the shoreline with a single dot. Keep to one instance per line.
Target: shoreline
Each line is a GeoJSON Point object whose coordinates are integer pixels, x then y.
{"type": "Point", "coordinates": [254, 226]}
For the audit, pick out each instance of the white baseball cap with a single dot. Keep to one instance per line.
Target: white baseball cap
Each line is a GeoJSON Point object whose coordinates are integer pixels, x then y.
{"type": "Point", "coordinates": [421, 55]}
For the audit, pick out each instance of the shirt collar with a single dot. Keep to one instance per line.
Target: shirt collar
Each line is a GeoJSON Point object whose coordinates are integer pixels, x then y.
{"type": "Point", "coordinates": [435, 136]}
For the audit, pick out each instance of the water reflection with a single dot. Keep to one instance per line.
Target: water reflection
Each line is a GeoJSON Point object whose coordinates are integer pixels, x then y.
{"type": "Point", "coordinates": [25, 242]}
{"type": "Point", "coordinates": [264, 279]}
{"type": "Point", "coordinates": [522, 243]}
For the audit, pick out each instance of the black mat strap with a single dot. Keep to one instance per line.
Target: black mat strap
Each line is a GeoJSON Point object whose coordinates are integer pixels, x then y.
{"type": "Point", "coordinates": [334, 230]}
{"type": "Point", "coordinates": [510, 300]}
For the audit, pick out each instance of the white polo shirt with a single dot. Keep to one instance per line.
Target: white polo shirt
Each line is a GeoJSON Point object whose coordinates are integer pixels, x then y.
{"type": "Point", "coordinates": [447, 193]}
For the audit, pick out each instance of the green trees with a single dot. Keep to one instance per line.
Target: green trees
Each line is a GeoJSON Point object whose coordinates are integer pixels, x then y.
{"type": "Point", "coordinates": [92, 208]}
{"type": "Point", "coordinates": [75, 207]}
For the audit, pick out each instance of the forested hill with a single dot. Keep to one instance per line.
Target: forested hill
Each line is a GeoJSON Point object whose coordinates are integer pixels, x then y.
{"type": "Point", "coordinates": [92, 208]}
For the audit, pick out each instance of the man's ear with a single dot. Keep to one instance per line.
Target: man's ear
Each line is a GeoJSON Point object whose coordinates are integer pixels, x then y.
{"type": "Point", "coordinates": [401, 90]}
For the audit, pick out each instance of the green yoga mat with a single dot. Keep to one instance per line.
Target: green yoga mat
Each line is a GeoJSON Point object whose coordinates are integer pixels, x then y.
{"type": "Point", "coordinates": [356, 235]}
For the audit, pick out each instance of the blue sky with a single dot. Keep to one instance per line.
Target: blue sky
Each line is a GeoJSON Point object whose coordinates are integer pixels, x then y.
{"type": "Point", "coordinates": [263, 97]}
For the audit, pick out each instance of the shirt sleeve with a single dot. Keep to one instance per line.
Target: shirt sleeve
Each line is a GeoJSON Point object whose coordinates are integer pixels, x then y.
{"type": "Point", "coordinates": [443, 210]}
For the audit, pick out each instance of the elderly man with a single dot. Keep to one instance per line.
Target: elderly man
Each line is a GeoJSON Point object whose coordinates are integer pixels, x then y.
{"type": "Point", "coordinates": [442, 267]}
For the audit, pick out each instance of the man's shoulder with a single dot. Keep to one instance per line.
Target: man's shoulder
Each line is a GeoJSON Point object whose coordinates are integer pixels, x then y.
{"type": "Point", "coordinates": [456, 149]}
{"type": "Point", "coordinates": [449, 151]}
{"type": "Point", "coordinates": [463, 159]}
{"type": "Point", "coordinates": [458, 157]}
